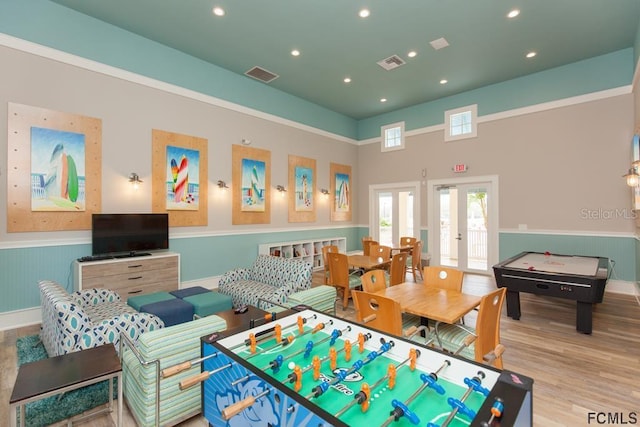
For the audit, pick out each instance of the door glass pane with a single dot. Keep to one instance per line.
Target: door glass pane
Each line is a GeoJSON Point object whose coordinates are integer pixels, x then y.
{"type": "Point", "coordinates": [385, 216]}
{"type": "Point", "coordinates": [405, 215]}
{"type": "Point", "coordinates": [477, 220]}
{"type": "Point", "coordinates": [448, 227]}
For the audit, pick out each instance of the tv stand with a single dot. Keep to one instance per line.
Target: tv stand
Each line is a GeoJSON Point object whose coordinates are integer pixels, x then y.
{"type": "Point", "coordinates": [130, 275]}
{"type": "Point", "coordinates": [133, 254]}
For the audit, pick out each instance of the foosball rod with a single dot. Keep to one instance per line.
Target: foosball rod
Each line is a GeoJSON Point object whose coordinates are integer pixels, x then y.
{"type": "Point", "coordinates": [358, 398]}
{"type": "Point", "coordinates": [191, 381]}
{"type": "Point", "coordinates": [277, 362]}
{"type": "Point", "coordinates": [290, 338]}
{"type": "Point", "coordinates": [175, 369]}
{"type": "Point", "coordinates": [401, 408]}
{"type": "Point", "coordinates": [340, 376]}
{"type": "Point", "coordinates": [268, 333]}
{"type": "Point", "coordinates": [235, 408]}
{"type": "Point", "coordinates": [473, 384]}
{"type": "Point", "coordinates": [365, 338]}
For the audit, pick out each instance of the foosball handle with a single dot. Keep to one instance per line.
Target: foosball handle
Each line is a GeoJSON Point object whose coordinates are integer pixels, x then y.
{"type": "Point", "coordinates": [494, 354]}
{"type": "Point", "coordinates": [235, 408]}
{"type": "Point", "coordinates": [175, 369]}
{"type": "Point", "coordinates": [369, 318]}
{"type": "Point", "coordinates": [190, 382]}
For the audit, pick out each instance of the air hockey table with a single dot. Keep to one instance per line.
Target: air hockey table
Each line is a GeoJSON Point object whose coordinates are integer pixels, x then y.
{"type": "Point", "coordinates": [579, 278]}
{"type": "Point", "coordinates": [323, 371]}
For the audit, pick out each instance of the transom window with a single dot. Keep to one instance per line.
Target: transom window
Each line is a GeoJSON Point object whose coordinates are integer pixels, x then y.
{"type": "Point", "coordinates": [461, 123]}
{"type": "Point", "coordinates": [393, 137]}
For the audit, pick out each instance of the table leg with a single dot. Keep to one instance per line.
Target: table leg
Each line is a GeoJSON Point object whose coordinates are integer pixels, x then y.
{"type": "Point", "coordinates": [120, 398]}
{"type": "Point", "coordinates": [513, 304]}
{"type": "Point", "coordinates": [584, 317]}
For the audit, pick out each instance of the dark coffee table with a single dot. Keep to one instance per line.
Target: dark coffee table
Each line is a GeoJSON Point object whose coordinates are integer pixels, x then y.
{"type": "Point", "coordinates": [70, 371]}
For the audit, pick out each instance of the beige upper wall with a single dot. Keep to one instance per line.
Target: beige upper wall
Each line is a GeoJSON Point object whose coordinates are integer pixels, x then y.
{"type": "Point", "coordinates": [555, 167]}
{"type": "Point", "coordinates": [129, 111]}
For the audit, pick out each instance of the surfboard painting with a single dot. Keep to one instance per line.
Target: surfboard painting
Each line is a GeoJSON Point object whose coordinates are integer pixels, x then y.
{"type": "Point", "coordinates": [343, 193]}
{"type": "Point", "coordinates": [304, 189]}
{"type": "Point", "coordinates": [182, 178]}
{"type": "Point", "coordinates": [253, 186]}
{"type": "Point", "coordinates": [57, 170]}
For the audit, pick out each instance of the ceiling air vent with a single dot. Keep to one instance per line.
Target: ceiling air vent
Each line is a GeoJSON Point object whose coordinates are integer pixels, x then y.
{"type": "Point", "coordinates": [391, 62]}
{"type": "Point", "coordinates": [261, 74]}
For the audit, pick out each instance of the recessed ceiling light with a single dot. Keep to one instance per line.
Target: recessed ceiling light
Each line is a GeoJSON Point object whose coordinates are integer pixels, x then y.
{"type": "Point", "coordinates": [513, 13]}
{"type": "Point", "coordinates": [218, 11]}
{"type": "Point", "coordinates": [295, 52]}
{"type": "Point", "coordinates": [347, 80]}
{"type": "Point", "coordinates": [531, 54]}
{"type": "Point", "coordinates": [364, 13]}
{"type": "Point", "coordinates": [444, 81]}
{"type": "Point", "coordinates": [412, 54]}
{"type": "Point", "coordinates": [383, 99]}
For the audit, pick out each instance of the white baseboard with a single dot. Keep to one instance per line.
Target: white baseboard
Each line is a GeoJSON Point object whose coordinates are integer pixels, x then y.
{"type": "Point", "coordinates": [207, 282]}
{"type": "Point", "coordinates": [20, 318]}
{"type": "Point", "coordinates": [622, 287]}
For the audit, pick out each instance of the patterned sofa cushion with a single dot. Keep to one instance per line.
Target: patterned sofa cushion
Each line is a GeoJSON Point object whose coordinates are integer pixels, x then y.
{"type": "Point", "coordinates": [270, 278]}
{"type": "Point", "coordinates": [88, 318]}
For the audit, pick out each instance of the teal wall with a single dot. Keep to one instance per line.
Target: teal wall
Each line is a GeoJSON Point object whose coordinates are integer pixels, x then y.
{"type": "Point", "coordinates": [52, 25]}
{"type": "Point", "coordinates": [49, 24]}
{"type": "Point", "coordinates": [591, 75]}
{"type": "Point", "coordinates": [622, 250]}
{"type": "Point", "coordinates": [200, 257]}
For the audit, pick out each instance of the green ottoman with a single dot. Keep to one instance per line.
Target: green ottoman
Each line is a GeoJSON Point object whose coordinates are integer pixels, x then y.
{"type": "Point", "coordinates": [208, 303]}
{"type": "Point", "coordinates": [144, 299]}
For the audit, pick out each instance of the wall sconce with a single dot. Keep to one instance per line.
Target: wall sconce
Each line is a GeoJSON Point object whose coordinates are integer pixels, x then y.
{"type": "Point", "coordinates": [324, 191]}
{"type": "Point", "coordinates": [281, 189]}
{"type": "Point", "coordinates": [632, 177]}
{"type": "Point", "coordinates": [222, 184]}
{"type": "Point", "coordinates": [135, 180]}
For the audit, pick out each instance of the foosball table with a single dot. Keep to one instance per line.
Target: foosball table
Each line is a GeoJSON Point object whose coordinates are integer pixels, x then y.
{"type": "Point", "coordinates": [312, 369]}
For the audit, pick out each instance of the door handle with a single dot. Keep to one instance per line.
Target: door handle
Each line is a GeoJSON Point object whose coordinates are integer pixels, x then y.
{"type": "Point", "coordinates": [459, 237]}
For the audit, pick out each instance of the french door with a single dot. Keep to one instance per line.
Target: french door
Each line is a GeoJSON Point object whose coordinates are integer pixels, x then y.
{"type": "Point", "coordinates": [394, 212]}
{"type": "Point", "coordinates": [463, 223]}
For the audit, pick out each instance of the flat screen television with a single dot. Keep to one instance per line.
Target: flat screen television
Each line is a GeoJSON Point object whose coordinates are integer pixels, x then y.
{"type": "Point", "coordinates": [113, 234]}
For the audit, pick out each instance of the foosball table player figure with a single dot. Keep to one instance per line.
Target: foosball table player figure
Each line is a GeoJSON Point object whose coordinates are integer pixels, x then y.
{"type": "Point", "coordinates": [312, 369]}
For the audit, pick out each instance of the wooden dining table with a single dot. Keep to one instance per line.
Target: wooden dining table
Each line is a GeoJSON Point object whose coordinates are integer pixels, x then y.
{"type": "Point", "coordinates": [430, 302]}
{"type": "Point", "coordinates": [367, 262]}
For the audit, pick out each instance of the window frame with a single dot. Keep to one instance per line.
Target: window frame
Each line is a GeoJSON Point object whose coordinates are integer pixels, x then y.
{"type": "Point", "coordinates": [473, 109]}
{"type": "Point", "coordinates": [383, 134]}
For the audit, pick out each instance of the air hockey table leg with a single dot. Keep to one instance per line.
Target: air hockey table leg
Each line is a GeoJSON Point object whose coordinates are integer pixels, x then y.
{"type": "Point", "coordinates": [513, 304]}
{"type": "Point", "coordinates": [584, 317]}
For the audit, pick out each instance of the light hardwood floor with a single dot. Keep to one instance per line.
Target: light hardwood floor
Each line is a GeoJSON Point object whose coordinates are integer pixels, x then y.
{"type": "Point", "coordinates": [574, 374]}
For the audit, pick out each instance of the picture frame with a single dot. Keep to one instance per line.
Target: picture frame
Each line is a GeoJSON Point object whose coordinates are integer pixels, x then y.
{"type": "Point", "coordinates": [183, 195]}
{"type": "Point", "coordinates": [340, 192]}
{"type": "Point", "coordinates": [79, 200]}
{"type": "Point", "coordinates": [251, 185]}
{"type": "Point", "coordinates": [302, 189]}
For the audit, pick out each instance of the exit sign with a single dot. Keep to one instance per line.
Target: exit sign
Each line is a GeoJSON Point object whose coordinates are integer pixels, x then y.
{"type": "Point", "coordinates": [460, 167]}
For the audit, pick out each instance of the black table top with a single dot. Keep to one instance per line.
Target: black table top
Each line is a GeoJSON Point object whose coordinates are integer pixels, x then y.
{"type": "Point", "coordinates": [53, 373]}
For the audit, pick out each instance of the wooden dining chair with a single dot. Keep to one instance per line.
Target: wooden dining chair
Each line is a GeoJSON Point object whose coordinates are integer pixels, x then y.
{"type": "Point", "coordinates": [374, 280]}
{"type": "Point", "coordinates": [414, 262]}
{"type": "Point", "coordinates": [384, 314]}
{"type": "Point", "coordinates": [486, 348]}
{"type": "Point", "coordinates": [398, 270]}
{"type": "Point", "coordinates": [326, 250]}
{"type": "Point", "coordinates": [380, 251]}
{"type": "Point", "coordinates": [366, 245]}
{"type": "Point", "coordinates": [408, 241]}
{"type": "Point", "coordinates": [443, 277]}
{"type": "Point", "coordinates": [340, 278]}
